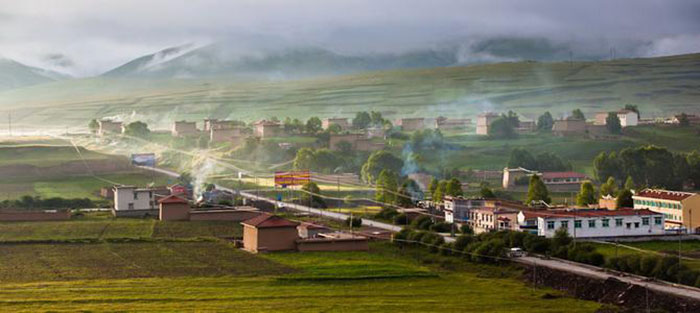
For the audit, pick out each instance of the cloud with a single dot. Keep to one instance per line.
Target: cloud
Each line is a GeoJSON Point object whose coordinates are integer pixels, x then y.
{"type": "Point", "coordinates": [99, 35]}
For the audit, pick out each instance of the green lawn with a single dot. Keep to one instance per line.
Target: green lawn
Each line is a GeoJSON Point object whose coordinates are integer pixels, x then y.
{"type": "Point", "coordinates": [230, 280]}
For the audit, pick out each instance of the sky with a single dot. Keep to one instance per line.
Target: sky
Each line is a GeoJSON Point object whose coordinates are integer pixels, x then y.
{"type": "Point", "coordinates": [88, 37]}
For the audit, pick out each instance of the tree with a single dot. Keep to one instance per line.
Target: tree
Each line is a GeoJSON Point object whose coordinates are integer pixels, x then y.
{"type": "Point", "coordinates": [453, 188]}
{"type": "Point", "coordinates": [577, 114]}
{"type": "Point", "coordinates": [432, 187]}
{"type": "Point", "coordinates": [376, 118]}
{"type": "Point", "coordinates": [344, 147]}
{"type": "Point", "coordinates": [93, 126]}
{"type": "Point", "coordinates": [545, 122]}
{"type": "Point", "coordinates": [387, 183]}
{"type": "Point", "coordinates": [314, 125]}
{"type": "Point", "coordinates": [408, 193]}
{"type": "Point", "coordinates": [312, 196]}
{"type": "Point", "coordinates": [624, 199]}
{"type": "Point", "coordinates": [612, 123]}
{"type": "Point", "coordinates": [521, 158]}
{"type": "Point", "coordinates": [629, 183]}
{"type": "Point", "coordinates": [512, 119]}
{"type": "Point", "coordinates": [304, 159]}
{"type": "Point", "coordinates": [634, 108]}
{"type": "Point", "coordinates": [501, 128]}
{"type": "Point", "coordinates": [587, 195]}
{"type": "Point", "coordinates": [334, 128]}
{"type": "Point", "coordinates": [137, 129]}
{"type": "Point", "coordinates": [440, 192]}
{"type": "Point", "coordinates": [486, 193]}
{"type": "Point", "coordinates": [537, 191]}
{"type": "Point", "coordinates": [607, 165]}
{"type": "Point", "coordinates": [378, 161]}
{"type": "Point", "coordinates": [609, 188]}
{"type": "Point", "coordinates": [361, 120]}
{"type": "Point", "coordinates": [547, 161]}
{"type": "Point", "coordinates": [683, 120]}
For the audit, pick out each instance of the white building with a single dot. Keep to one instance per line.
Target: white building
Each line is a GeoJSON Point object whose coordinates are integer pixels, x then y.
{"type": "Point", "coordinates": [130, 200]}
{"type": "Point", "coordinates": [457, 208]}
{"type": "Point", "coordinates": [627, 118]}
{"type": "Point", "coordinates": [601, 223]}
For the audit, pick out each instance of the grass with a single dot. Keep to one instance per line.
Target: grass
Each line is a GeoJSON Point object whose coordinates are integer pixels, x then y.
{"type": "Point", "coordinates": [256, 284]}
{"type": "Point", "coordinates": [690, 250]}
{"type": "Point", "coordinates": [44, 156]}
{"type": "Point", "coordinates": [100, 226]}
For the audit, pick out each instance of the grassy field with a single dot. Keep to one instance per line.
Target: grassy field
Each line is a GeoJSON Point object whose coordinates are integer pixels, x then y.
{"type": "Point", "coordinates": [44, 156]}
{"type": "Point", "coordinates": [222, 279]}
{"type": "Point", "coordinates": [100, 226]}
{"type": "Point", "coordinates": [659, 86]}
{"type": "Point", "coordinates": [690, 250]}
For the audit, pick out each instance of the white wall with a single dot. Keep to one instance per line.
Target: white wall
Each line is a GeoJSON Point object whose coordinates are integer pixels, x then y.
{"type": "Point", "coordinates": [124, 196]}
{"type": "Point", "coordinates": [599, 231]}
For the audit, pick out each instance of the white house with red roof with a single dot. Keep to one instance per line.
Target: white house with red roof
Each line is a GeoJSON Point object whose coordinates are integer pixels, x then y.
{"type": "Point", "coordinates": [588, 223]}
{"type": "Point", "coordinates": [680, 209]}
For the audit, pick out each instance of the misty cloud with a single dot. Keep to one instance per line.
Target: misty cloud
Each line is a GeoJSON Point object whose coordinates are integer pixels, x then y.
{"type": "Point", "coordinates": [95, 36]}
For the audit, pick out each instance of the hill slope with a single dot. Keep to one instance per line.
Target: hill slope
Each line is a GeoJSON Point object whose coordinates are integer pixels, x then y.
{"type": "Point", "coordinates": [218, 60]}
{"type": "Point", "coordinates": [14, 75]}
{"type": "Point", "coordinates": [660, 86]}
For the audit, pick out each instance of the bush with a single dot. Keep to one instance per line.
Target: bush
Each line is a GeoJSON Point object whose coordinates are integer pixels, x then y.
{"type": "Point", "coordinates": [466, 229]}
{"type": "Point", "coordinates": [387, 213]}
{"type": "Point", "coordinates": [446, 249]}
{"type": "Point", "coordinates": [647, 264]}
{"type": "Point", "coordinates": [422, 222]}
{"type": "Point", "coordinates": [404, 234]}
{"type": "Point", "coordinates": [441, 227]}
{"type": "Point", "coordinates": [536, 244]}
{"type": "Point", "coordinates": [416, 236]}
{"type": "Point", "coordinates": [401, 219]}
{"type": "Point", "coordinates": [462, 242]}
{"type": "Point", "coordinates": [353, 222]}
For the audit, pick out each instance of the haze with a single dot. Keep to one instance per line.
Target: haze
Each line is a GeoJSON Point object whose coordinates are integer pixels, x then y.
{"type": "Point", "coordinates": [84, 38]}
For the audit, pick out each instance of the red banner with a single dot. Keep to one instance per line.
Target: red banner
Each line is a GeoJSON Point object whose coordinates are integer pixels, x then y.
{"type": "Point", "coordinates": [292, 178]}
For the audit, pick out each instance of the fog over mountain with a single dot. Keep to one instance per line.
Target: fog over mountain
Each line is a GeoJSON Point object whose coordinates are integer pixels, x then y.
{"type": "Point", "coordinates": [16, 75]}
{"type": "Point", "coordinates": [88, 38]}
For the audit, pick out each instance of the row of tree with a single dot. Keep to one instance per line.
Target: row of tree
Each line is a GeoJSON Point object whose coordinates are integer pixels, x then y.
{"type": "Point", "coordinates": [545, 161]}
{"type": "Point", "coordinates": [588, 194]}
{"type": "Point", "coordinates": [438, 189]}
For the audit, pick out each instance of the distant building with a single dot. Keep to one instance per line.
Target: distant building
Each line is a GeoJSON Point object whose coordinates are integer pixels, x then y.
{"type": "Point", "coordinates": [444, 123]}
{"type": "Point", "coordinates": [358, 142]}
{"type": "Point", "coordinates": [483, 122]}
{"type": "Point", "coordinates": [487, 219]}
{"type": "Point", "coordinates": [525, 127]}
{"type": "Point", "coordinates": [212, 123]}
{"type": "Point", "coordinates": [232, 135]}
{"type": "Point", "coordinates": [184, 128]}
{"type": "Point", "coordinates": [561, 181]}
{"type": "Point", "coordinates": [410, 124]}
{"type": "Point", "coordinates": [457, 209]}
{"type": "Point", "coordinates": [692, 119]}
{"type": "Point", "coordinates": [265, 129]}
{"type": "Point", "coordinates": [310, 230]}
{"type": "Point", "coordinates": [133, 201]}
{"type": "Point", "coordinates": [607, 202]}
{"type": "Point", "coordinates": [107, 126]}
{"type": "Point", "coordinates": [173, 208]}
{"type": "Point", "coordinates": [376, 132]}
{"type": "Point", "coordinates": [627, 118]}
{"type": "Point", "coordinates": [342, 122]}
{"type": "Point", "coordinates": [569, 127]}
{"type": "Point", "coordinates": [601, 223]}
{"type": "Point", "coordinates": [676, 206]}
{"type": "Point", "coordinates": [269, 233]}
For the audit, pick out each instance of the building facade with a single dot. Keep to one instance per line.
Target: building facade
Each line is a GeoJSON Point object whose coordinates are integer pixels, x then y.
{"type": "Point", "coordinates": [133, 201]}
{"type": "Point", "coordinates": [264, 129]}
{"type": "Point", "coordinates": [601, 223]}
{"type": "Point", "coordinates": [184, 128]}
{"type": "Point", "coordinates": [342, 122]}
{"type": "Point", "coordinates": [107, 126]}
{"type": "Point", "coordinates": [411, 124]}
{"type": "Point", "coordinates": [680, 209]}
{"type": "Point", "coordinates": [627, 118]}
{"type": "Point", "coordinates": [568, 127]}
{"type": "Point", "coordinates": [358, 142]}
{"type": "Point", "coordinates": [444, 123]}
{"type": "Point", "coordinates": [267, 232]}
{"type": "Point", "coordinates": [483, 122]}
{"type": "Point", "coordinates": [493, 219]}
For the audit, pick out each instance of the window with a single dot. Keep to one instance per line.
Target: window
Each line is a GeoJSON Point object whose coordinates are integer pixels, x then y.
{"type": "Point", "coordinates": [657, 220]}
{"type": "Point", "coordinates": [629, 225]}
{"type": "Point", "coordinates": [550, 224]}
{"type": "Point", "coordinates": [591, 223]}
{"type": "Point", "coordinates": [618, 222]}
{"type": "Point", "coordinates": [565, 224]}
{"type": "Point", "coordinates": [136, 195]}
{"type": "Point", "coordinates": [645, 221]}
{"type": "Point", "coordinates": [131, 206]}
{"type": "Point", "coordinates": [577, 224]}
{"type": "Point", "coordinates": [636, 224]}
{"type": "Point", "coordinates": [606, 222]}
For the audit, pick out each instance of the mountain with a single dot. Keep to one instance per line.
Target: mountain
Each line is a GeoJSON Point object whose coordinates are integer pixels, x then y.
{"type": "Point", "coordinates": [15, 75]}
{"type": "Point", "coordinates": [221, 60]}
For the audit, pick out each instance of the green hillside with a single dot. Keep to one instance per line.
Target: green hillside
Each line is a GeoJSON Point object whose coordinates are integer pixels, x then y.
{"type": "Point", "coordinates": [660, 86]}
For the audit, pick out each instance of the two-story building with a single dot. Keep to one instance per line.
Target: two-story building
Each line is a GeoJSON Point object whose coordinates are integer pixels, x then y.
{"type": "Point", "coordinates": [586, 223]}
{"type": "Point", "coordinates": [134, 201]}
{"type": "Point", "coordinates": [483, 122]}
{"type": "Point", "coordinates": [265, 129]}
{"type": "Point", "coordinates": [487, 219]}
{"type": "Point", "coordinates": [676, 206]}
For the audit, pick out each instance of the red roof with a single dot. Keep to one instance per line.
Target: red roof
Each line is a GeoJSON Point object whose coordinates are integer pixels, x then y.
{"type": "Point", "coordinates": [268, 221]}
{"type": "Point", "coordinates": [664, 194]}
{"type": "Point", "coordinates": [552, 175]}
{"type": "Point", "coordinates": [172, 199]}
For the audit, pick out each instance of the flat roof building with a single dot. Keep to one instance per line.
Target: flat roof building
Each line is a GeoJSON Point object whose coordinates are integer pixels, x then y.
{"type": "Point", "coordinates": [677, 207]}
{"type": "Point", "coordinates": [184, 128]}
{"type": "Point", "coordinates": [107, 126]}
{"type": "Point", "coordinates": [410, 124]}
{"type": "Point", "coordinates": [627, 118]}
{"type": "Point", "coordinates": [265, 129]}
{"type": "Point", "coordinates": [601, 223]}
{"type": "Point", "coordinates": [483, 122]}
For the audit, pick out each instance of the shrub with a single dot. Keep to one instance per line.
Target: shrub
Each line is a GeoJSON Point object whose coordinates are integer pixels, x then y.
{"type": "Point", "coordinates": [446, 249]}
{"type": "Point", "coordinates": [386, 213]}
{"type": "Point", "coordinates": [353, 222]}
{"type": "Point", "coordinates": [416, 236]}
{"type": "Point", "coordinates": [422, 222]}
{"type": "Point", "coordinates": [647, 264]}
{"type": "Point", "coordinates": [462, 242]}
{"type": "Point", "coordinates": [535, 244]}
{"type": "Point", "coordinates": [466, 229]}
{"type": "Point", "coordinates": [404, 234]}
{"type": "Point", "coordinates": [441, 227]}
{"type": "Point", "coordinates": [401, 219]}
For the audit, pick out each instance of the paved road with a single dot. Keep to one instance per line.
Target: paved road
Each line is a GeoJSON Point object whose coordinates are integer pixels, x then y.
{"type": "Point", "coordinates": [595, 272]}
